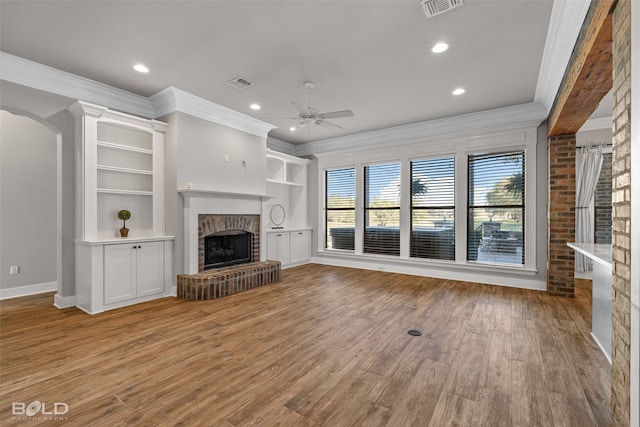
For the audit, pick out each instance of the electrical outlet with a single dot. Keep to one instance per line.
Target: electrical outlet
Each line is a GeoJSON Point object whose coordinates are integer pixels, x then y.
{"type": "Point", "coordinates": [14, 269]}
{"type": "Point", "coordinates": [226, 157]}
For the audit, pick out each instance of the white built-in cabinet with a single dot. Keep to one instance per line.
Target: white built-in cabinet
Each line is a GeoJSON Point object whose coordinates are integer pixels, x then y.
{"type": "Point", "coordinates": [299, 246]}
{"type": "Point", "coordinates": [287, 184]}
{"type": "Point", "coordinates": [132, 270]}
{"type": "Point", "coordinates": [290, 247]}
{"type": "Point", "coordinates": [119, 165]}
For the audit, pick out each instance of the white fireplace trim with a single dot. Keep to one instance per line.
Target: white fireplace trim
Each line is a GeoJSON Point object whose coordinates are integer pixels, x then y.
{"type": "Point", "coordinates": [202, 202]}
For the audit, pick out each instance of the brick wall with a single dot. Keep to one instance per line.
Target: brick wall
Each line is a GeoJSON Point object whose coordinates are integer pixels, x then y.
{"type": "Point", "coordinates": [561, 213]}
{"type": "Point", "coordinates": [621, 163]}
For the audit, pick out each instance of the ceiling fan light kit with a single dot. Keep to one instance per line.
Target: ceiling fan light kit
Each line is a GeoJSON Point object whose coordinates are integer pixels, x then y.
{"type": "Point", "coordinates": [308, 115]}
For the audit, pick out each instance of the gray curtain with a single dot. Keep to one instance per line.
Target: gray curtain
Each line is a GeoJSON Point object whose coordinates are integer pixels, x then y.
{"type": "Point", "coordinates": [588, 166]}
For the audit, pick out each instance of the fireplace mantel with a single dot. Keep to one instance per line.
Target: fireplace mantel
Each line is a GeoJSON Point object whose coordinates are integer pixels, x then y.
{"type": "Point", "coordinates": [192, 192]}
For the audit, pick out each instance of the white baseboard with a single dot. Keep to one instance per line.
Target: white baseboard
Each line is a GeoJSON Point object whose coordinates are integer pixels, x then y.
{"type": "Point", "coordinates": [22, 291]}
{"type": "Point", "coordinates": [64, 302]}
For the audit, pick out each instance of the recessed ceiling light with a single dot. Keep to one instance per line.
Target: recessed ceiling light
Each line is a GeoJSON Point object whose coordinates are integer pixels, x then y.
{"type": "Point", "coordinates": [254, 106]}
{"type": "Point", "coordinates": [458, 91]}
{"type": "Point", "coordinates": [292, 128]}
{"type": "Point", "coordinates": [439, 48]}
{"type": "Point", "coordinates": [140, 68]}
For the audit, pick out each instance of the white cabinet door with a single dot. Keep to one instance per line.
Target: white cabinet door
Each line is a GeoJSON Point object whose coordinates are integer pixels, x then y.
{"type": "Point", "coordinates": [300, 243]}
{"type": "Point", "coordinates": [119, 273]}
{"type": "Point", "coordinates": [278, 247]}
{"type": "Point", "coordinates": [150, 271]}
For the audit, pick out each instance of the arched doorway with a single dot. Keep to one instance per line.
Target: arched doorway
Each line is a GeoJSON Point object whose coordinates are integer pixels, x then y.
{"type": "Point", "coordinates": [30, 205]}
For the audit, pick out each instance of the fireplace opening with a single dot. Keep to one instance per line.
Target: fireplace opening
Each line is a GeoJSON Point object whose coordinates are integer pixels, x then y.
{"type": "Point", "coordinates": [227, 247]}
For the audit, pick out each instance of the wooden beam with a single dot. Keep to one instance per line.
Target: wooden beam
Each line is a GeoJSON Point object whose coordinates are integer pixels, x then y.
{"type": "Point", "coordinates": [588, 76]}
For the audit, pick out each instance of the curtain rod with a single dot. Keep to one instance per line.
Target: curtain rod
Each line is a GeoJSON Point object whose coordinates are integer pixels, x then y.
{"type": "Point", "coordinates": [594, 146]}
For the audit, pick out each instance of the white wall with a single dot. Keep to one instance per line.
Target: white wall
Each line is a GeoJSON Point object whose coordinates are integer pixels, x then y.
{"type": "Point", "coordinates": [201, 150]}
{"type": "Point", "coordinates": [173, 216]}
{"type": "Point", "coordinates": [194, 153]}
{"type": "Point", "coordinates": [28, 202]}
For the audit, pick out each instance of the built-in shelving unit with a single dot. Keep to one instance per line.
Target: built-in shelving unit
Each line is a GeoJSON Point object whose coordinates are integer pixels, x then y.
{"type": "Point", "coordinates": [286, 170]}
{"type": "Point", "coordinates": [122, 161]}
{"type": "Point", "coordinates": [287, 182]}
{"type": "Point", "coordinates": [120, 166]}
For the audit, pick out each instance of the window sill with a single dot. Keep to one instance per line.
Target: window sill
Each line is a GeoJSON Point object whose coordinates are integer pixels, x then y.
{"type": "Point", "coordinates": [428, 263]}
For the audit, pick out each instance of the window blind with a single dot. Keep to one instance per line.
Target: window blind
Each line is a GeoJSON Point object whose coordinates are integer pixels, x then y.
{"type": "Point", "coordinates": [496, 208]}
{"type": "Point", "coordinates": [382, 209]}
{"type": "Point", "coordinates": [340, 202]}
{"type": "Point", "coordinates": [433, 209]}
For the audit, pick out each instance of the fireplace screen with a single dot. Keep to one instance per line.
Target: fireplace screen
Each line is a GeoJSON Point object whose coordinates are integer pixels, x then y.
{"type": "Point", "coordinates": [227, 248]}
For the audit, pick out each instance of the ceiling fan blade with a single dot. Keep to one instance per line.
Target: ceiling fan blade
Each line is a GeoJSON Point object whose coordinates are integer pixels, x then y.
{"type": "Point", "coordinates": [306, 121]}
{"type": "Point", "coordinates": [301, 108]}
{"type": "Point", "coordinates": [336, 114]}
{"type": "Point", "coordinates": [279, 118]}
{"type": "Point", "coordinates": [328, 125]}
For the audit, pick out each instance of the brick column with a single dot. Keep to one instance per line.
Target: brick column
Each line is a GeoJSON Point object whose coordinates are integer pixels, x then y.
{"type": "Point", "coordinates": [561, 214]}
{"type": "Point", "coordinates": [621, 201]}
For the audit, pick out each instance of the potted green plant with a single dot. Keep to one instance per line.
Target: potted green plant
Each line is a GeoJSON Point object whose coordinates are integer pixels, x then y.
{"type": "Point", "coordinates": [124, 215]}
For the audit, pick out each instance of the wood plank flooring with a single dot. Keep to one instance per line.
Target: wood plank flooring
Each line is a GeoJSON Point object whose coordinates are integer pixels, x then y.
{"type": "Point", "coordinates": [326, 346]}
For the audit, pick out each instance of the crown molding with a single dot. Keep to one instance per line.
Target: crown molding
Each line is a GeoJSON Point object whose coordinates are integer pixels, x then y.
{"type": "Point", "coordinates": [79, 109]}
{"type": "Point", "coordinates": [173, 99]}
{"type": "Point", "coordinates": [530, 113]}
{"type": "Point", "coordinates": [34, 75]}
{"type": "Point", "coordinates": [565, 23]}
{"type": "Point", "coordinates": [281, 146]}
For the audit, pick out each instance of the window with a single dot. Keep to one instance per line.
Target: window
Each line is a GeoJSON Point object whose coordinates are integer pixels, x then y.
{"type": "Point", "coordinates": [382, 209]}
{"type": "Point", "coordinates": [496, 208]}
{"type": "Point", "coordinates": [602, 202]}
{"type": "Point", "coordinates": [432, 209]}
{"type": "Point", "coordinates": [341, 209]}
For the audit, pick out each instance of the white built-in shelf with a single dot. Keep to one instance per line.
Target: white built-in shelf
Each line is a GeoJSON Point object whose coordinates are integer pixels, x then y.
{"type": "Point", "coordinates": [286, 169]}
{"type": "Point", "coordinates": [293, 184]}
{"type": "Point", "coordinates": [123, 147]}
{"type": "Point", "coordinates": [124, 170]}
{"type": "Point", "coordinates": [118, 191]}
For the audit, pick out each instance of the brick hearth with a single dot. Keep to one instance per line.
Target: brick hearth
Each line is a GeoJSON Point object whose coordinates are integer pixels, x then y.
{"type": "Point", "coordinates": [220, 282]}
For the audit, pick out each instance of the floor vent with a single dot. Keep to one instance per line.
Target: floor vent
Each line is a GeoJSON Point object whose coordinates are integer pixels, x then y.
{"type": "Point", "coordinates": [436, 7]}
{"type": "Point", "coordinates": [240, 83]}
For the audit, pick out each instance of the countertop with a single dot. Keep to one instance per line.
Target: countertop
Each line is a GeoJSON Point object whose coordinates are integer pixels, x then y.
{"type": "Point", "coordinates": [600, 253]}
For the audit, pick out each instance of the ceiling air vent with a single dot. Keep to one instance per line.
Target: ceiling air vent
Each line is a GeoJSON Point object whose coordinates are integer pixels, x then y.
{"type": "Point", "coordinates": [436, 7]}
{"type": "Point", "coordinates": [240, 83]}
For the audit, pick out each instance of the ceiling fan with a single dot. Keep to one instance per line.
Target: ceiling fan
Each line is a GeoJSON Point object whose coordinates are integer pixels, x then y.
{"type": "Point", "coordinates": [309, 115]}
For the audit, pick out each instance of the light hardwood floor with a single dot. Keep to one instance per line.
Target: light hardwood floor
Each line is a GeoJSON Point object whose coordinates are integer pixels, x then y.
{"type": "Point", "coordinates": [326, 346]}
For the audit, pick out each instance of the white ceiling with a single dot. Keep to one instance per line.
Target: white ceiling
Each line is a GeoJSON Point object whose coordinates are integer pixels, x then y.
{"type": "Point", "coordinates": [372, 57]}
